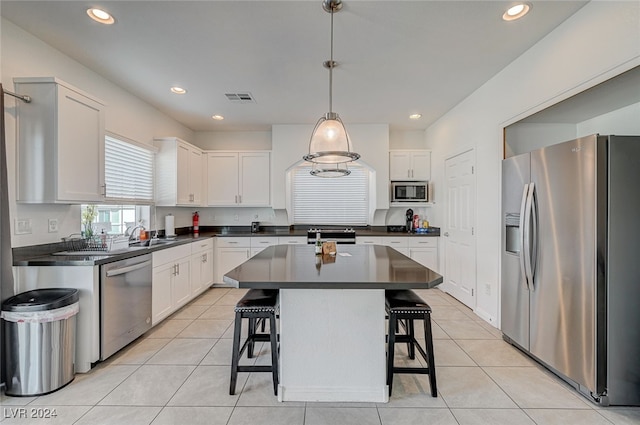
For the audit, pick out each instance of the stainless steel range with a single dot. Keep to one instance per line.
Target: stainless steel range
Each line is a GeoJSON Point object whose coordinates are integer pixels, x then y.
{"type": "Point", "coordinates": [341, 236]}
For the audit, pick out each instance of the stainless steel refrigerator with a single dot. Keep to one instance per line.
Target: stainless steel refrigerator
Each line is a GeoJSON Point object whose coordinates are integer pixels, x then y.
{"type": "Point", "coordinates": [570, 289]}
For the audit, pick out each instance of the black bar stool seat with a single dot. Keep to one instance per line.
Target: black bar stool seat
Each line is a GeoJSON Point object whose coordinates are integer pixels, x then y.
{"type": "Point", "coordinates": [403, 307]}
{"type": "Point", "coordinates": [257, 305]}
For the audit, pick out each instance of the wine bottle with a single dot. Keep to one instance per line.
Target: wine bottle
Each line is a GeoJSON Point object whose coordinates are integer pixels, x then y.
{"type": "Point", "coordinates": [318, 244]}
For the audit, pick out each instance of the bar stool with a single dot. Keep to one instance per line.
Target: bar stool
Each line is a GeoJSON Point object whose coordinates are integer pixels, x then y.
{"type": "Point", "coordinates": [257, 305]}
{"type": "Point", "coordinates": [403, 307]}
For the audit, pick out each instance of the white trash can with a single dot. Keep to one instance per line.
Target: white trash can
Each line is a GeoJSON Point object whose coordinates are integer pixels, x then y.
{"type": "Point", "coordinates": [40, 340]}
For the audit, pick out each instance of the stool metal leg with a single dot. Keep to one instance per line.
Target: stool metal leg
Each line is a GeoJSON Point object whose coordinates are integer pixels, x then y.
{"type": "Point", "coordinates": [235, 357]}
{"type": "Point", "coordinates": [251, 331]}
{"type": "Point", "coordinates": [274, 353]}
{"type": "Point", "coordinates": [393, 325]}
{"type": "Point", "coordinates": [428, 337]}
{"type": "Point", "coordinates": [411, 344]}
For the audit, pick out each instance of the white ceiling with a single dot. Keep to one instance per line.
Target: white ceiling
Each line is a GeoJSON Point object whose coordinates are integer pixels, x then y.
{"type": "Point", "coordinates": [395, 57]}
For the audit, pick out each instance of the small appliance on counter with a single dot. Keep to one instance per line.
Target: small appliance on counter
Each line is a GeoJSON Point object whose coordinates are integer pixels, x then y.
{"type": "Point", "coordinates": [255, 226]}
{"type": "Point", "coordinates": [409, 225]}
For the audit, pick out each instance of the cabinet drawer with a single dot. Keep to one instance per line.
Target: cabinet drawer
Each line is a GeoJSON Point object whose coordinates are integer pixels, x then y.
{"type": "Point", "coordinates": [368, 240]}
{"type": "Point", "coordinates": [171, 254]}
{"type": "Point", "coordinates": [202, 245]}
{"type": "Point", "coordinates": [232, 242]}
{"type": "Point", "coordinates": [263, 241]}
{"type": "Point", "coordinates": [423, 242]}
{"type": "Point", "coordinates": [396, 242]}
{"type": "Point", "coordinates": [291, 240]}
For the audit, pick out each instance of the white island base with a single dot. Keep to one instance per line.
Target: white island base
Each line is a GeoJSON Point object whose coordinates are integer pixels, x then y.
{"type": "Point", "coordinates": [332, 345]}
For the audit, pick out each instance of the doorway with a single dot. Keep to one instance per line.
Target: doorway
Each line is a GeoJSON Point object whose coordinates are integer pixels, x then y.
{"type": "Point", "coordinates": [459, 234]}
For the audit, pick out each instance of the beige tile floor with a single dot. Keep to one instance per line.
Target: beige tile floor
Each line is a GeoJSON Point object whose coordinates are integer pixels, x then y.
{"type": "Point", "coordinates": [178, 373]}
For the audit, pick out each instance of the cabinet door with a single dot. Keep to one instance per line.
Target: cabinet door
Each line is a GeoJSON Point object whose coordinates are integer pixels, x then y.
{"type": "Point", "coordinates": [400, 165]}
{"type": "Point", "coordinates": [201, 271]}
{"type": "Point", "coordinates": [195, 176]}
{"type": "Point", "coordinates": [222, 179]}
{"type": "Point", "coordinates": [80, 156]}
{"type": "Point", "coordinates": [230, 258]}
{"type": "Point", "coordinates": [161, 292]}
{"type": "Point", "coordinates": [183, 158]}
{"type": "Point", "coordinates": [255, 177]}
{"type": "Point", "coordinates": [428, 257]}
{"type": "Point", "coordinates": [421, 165]}
{"type": "Point", "coordinates": [181, 284]}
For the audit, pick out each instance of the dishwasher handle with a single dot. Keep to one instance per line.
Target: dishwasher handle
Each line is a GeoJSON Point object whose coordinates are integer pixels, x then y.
{"type": "Point", "coordinates": [127, 269]}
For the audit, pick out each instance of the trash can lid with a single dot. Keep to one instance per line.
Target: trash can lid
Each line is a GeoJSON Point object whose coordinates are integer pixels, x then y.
{"type": "Point", "coordinates": [41, 300]}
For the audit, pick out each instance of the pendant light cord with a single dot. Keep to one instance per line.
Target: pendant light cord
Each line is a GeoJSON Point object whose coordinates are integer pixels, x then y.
{"type": "Point", "coordinates": [331, 67]}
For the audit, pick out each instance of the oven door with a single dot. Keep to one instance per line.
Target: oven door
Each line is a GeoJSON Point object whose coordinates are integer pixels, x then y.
{"type": "Point", "coordinates": [125, 302]}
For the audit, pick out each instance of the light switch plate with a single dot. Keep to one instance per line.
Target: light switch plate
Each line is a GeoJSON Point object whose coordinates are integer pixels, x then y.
{"type": "Point", "coordinates": [22, 226]}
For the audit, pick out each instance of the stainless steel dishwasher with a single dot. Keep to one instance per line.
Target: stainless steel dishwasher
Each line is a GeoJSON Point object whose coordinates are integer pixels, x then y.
{"type": "Point", "coordinates": [125, 302]}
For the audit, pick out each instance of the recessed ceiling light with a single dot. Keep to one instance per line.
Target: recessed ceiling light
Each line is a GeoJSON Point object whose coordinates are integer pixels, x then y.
{"type": "Point", "coordinates": [217, 117]}
{"type": "Point", "coordinates": [178, 90]}
{"type": "Point", "coordinates": [516, 12]}
{"type": "Point", "coordinates": [415, 116]}
{"type": "Point", "coordinates": [101, 16]}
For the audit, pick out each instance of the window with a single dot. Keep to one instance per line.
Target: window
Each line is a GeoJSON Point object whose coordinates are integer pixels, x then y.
{"type": "Point", "coordinates": [342, 200]}
{"type": "Point", "coordinates": [128, 171]}
{"type": "Point", "coordinates": [113, 219]}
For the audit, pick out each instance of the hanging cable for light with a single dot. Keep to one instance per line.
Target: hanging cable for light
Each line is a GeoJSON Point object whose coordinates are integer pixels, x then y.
{"type": "Point", "coordinates": [329, 147]}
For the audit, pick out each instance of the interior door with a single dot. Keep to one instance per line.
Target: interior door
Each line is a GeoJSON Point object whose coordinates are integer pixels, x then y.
{"type": "Point", "coordinates": [459, 237]}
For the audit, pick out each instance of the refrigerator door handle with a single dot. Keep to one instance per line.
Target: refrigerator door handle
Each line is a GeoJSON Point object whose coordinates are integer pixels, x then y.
{"type": "Point", "coordinates": [528, 220]}
{"type": "Point", "coordinates": [534, 245]}
{"type": "Point", "coordinates": [523, 236]}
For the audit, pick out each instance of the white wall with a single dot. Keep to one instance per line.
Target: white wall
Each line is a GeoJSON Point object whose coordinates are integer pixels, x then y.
{"type": "Point", "coordinates": [624, 122]}
{"type": "Point", "coordinates": [26, 56]}
{"type": "Point", "coordinates": [600, 41]}
{"type": "Point", "coordinates": [233, 140]}
{"type": "Point", "coordinates": [291, 142]}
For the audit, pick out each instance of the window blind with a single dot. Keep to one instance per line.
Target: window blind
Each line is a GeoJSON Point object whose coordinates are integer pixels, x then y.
{"type": "Point", "coordinates": [342, 200]}
{"type": "Point", "coordinates": [128, 171]}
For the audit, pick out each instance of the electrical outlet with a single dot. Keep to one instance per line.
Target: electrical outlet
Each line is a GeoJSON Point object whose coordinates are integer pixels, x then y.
{"type": "Point", "coordinates": [53, 225]}
{"type": "Point", "coordinates": [256, 216]}
{"type": "Point", "coordinates": [23, 226]}
{"type": "Point", "coordinates": [236, 218]}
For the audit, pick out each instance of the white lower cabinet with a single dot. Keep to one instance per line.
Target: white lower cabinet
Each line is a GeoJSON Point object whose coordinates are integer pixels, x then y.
{"type": "Point", "coordinates": [422, 249]}
{"type": "Point", "coordinates": [171, 281]}
{"type": "Point", "coordinates": [425, 251]}
{"type": "Point", "coordinates": [231, 252]}
{"type": "Point", "coordinates": [201, 266]}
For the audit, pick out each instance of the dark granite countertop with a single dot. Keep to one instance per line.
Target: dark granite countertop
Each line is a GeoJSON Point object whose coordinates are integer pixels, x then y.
{"type": "Point", "coordinates": [242, 231]}
{"type": "Point", "coordinates": [41, 255]}
{"type": "Point", "coordinates": [353, 267]}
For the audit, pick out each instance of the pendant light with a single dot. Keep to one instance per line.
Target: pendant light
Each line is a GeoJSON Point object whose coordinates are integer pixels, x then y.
{"type": "Point", "coordinates": [329, 147]}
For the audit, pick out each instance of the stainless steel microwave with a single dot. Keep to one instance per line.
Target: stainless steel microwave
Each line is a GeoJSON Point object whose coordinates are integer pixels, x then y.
{"type": "Point", "coordinates": [409, 192]}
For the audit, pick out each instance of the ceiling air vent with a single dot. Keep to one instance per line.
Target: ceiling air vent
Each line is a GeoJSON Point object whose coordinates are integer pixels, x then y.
{"type": "Point", "coordinates": [244, 97]}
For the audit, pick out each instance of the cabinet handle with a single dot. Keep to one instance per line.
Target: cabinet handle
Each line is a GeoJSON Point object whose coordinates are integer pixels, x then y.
{"type": "Point", "coordinates": [411, 173]}
{"type": "Point", "coordinates": [177, 269]}
{"type": "Point", "coordinates": [408, 173]}
{"type": "Point", "coordinates": [240, 199]}
{"type": "Point", "coordinates": [204, 258]}
{"type": "Point", "coordinates": [232, 242]}
{"type": "Point", "coordinates": [174, 270]}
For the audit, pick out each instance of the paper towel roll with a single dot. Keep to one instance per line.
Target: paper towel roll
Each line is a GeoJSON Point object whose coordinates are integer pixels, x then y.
{"type": "Point", "coordinates": [169, 226]}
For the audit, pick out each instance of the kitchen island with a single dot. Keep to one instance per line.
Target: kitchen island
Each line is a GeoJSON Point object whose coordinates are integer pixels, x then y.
{"type": "Point", "coordinates": [332, 316]}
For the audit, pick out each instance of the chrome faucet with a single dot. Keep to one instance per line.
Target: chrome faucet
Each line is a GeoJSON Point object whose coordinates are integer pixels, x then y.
{"type": "Point", "coordinates": [133, 231]}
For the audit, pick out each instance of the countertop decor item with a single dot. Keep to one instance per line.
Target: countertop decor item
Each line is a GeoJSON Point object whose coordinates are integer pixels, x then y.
{"type": "Point", "coordinates": [329, 147]}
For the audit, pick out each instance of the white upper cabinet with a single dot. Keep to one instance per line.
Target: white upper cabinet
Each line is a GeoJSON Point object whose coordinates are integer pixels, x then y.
{"type": "Point", "coordinates": [60, 149]}
{"type": "Point", "coordinates": [410, 165]}
{"type": "Point", "coordinates": [179, 176]}
{"type": "Point", "coordinates": [240, 179]}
